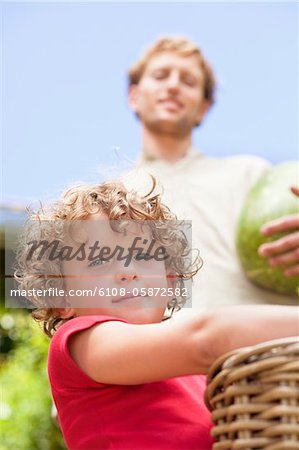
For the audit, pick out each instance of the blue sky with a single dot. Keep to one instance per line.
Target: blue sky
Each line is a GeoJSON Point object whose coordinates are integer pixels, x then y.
{"type": "Point", "coordinates": [64, 101]}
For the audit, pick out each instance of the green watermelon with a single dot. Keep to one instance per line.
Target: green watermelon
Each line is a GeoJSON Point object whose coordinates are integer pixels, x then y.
{"type": "Point", "coordinates": [269, 199]}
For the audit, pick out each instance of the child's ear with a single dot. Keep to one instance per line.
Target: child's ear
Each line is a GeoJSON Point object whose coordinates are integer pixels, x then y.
{"type": "Point", "coordinates": [65, 313]}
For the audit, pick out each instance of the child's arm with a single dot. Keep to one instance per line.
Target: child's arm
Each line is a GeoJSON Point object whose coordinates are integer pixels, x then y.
{"type": "Point", "coordinates": [120, 353]}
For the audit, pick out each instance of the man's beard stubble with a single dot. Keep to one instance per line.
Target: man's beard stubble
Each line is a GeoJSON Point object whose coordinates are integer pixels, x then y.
{"type": "Point", "coordinates": [178, 130]}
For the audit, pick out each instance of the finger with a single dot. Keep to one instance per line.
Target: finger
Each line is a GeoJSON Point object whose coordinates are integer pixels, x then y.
{"type": "Point", "coordinates": [292, 271]}
{"type": "Point", "coordinates": [285, 258]}
{"type": "Point", "coordinates": [285, 223]}
{"type": "Point", "coordinates": [295, 190]}
{"type": "Point", "coordinates": [282, 245]}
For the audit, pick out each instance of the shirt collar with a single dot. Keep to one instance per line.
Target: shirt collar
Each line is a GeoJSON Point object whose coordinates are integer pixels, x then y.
{"type": "Point", "coordinates": [191, 154]}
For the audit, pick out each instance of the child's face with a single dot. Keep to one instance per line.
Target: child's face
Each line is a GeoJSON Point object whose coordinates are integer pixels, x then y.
{"type": "Point", "coordinates": [132, 289]}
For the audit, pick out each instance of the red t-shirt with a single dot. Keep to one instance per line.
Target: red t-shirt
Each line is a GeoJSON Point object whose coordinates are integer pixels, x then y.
{"type": "Point", "coordinates": [164, 415]}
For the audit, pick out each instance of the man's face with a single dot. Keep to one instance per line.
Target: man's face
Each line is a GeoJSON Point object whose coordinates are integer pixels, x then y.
{"type": "Point", "coordinates": [169, 97]}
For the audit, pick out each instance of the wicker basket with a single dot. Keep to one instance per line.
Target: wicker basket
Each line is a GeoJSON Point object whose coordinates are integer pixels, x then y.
{"type": "Point", "coordinates": [253, 394]}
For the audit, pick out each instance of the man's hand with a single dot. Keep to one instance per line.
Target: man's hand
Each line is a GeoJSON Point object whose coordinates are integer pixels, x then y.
{"type": "Point", "coordinates": [283, 251]}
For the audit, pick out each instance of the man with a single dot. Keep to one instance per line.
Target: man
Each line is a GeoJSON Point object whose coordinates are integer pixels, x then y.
{"type": "Point", "coordinates": [171, 89]}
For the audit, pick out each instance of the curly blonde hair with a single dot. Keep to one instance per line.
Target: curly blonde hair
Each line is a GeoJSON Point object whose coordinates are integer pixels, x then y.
{"type": "Point", "coordinates": [77, 203]}
{"type": "Point", "coordinates": [184, 47]}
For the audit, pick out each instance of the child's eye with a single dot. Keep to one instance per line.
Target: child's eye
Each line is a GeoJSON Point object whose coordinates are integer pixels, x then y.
{"type": "Point", "coordinates": [98, 262]}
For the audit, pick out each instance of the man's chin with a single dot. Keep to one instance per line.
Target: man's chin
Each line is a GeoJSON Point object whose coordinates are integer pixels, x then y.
{"type": "Point", "coordinates": [172, 127]}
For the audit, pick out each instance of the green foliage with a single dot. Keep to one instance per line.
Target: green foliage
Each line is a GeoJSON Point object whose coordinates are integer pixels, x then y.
{"type": "Point", "coordinates": [25, 405]}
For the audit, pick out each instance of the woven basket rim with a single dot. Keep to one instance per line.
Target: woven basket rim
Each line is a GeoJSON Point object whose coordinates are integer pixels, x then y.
{"type": "Point", "coordinates": [225, 364]}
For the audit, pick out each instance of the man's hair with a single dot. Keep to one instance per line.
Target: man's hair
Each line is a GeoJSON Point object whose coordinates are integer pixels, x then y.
{"type": "Point", "coordinates": [78, 203]}
{"type": "Point", "coordinates": [184, 47]}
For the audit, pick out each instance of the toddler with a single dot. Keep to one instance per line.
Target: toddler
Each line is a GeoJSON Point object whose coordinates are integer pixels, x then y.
{"type": "Point", "coordinates": [110, 268]}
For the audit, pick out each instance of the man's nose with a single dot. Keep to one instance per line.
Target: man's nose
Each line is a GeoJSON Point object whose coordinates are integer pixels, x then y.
{"type": "Point", "coordinates": [173, 81]}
